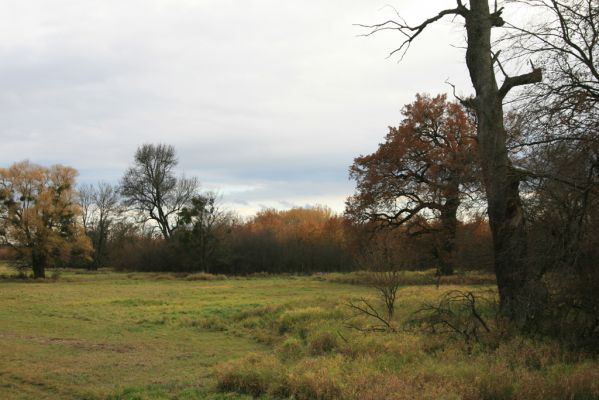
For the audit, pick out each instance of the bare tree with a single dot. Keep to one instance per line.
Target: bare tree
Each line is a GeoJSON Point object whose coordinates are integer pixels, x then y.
{"type": "Point", "coordinates": [151, 187]}
{"type": "Point", "coordinates": [100, 207]}
{"type": "Point", "coordinates": [384, 264]}
{"type": "Point", "coordinates": [559, 122]}
{"type": "Point", "coordinates": [457, 313]}
{"type": "Point", "coordinates": [86, 202]}
{"type": "Point", "coordinates": [564, 41]}
{"type": "Point", "coordinates": [107, 203]}
{"type": "Point", "coordinates": [521, 291]}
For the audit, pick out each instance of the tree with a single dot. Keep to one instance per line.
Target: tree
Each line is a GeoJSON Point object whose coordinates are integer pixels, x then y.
{"type": "Point", "coordinates": [560, 116]}
{"type": "Point", "coordinates": [39, 214]}
{"type": "Point", "coordinates": [203, 225]}
{"type": "Point", "coordinates": [100, 206]}
{"type": "Point", "coordinates": [559, 213]}
{"type": "Point", "coordinates": [522, 294]}
{"type": "Point", "coordinates": [151, 187]}
{"type": "Point", "coordinates": [423, 170]}
{"type": "Point", "coordinates": [560, 145]}
{"type": "Point", "coordinates": [86, 202]}
{"type": "Point", "coordinates": [562, 112]}
{"type": "Point", "coordinates": [566, 45]}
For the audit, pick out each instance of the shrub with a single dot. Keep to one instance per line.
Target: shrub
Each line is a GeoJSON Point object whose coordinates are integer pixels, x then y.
{"type": "Point", "coordinates": [315, 379]}
{"type": "Point", "coordinates": [252, 374]}
{"type": "Point", "coordinates": [322, 343]}
{"type": "Point", "coordinates": [296, 320]}
{"type": "Point", "coordinates": [290, 349]}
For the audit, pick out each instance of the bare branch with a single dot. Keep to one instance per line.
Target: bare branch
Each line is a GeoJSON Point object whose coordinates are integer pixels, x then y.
{"type": "Point", "coordinates": [412, 32]}
{"type": "Point", "coordinates": [510, 82]}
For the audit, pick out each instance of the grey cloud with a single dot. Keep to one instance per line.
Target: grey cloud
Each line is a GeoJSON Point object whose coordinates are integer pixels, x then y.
{"type": "Point", "coordinates": [267, 101]}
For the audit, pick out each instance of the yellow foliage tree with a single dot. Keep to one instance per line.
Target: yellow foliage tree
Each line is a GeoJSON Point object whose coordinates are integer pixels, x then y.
{"type": "Point", "coordinates": [39, 214]}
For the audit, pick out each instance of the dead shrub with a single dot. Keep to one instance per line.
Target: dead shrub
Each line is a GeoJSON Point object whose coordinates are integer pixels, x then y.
{"type": "Point", "coordinates": [323, 343]}
{"type": "Point", "coordinates": [459, 314]}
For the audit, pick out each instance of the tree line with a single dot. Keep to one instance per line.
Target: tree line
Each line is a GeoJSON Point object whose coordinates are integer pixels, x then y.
{"type": "Point", "coordinates": [158, 220]}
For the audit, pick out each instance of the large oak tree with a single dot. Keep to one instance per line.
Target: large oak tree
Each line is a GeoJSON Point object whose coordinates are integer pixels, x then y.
{"type": "Point", "coordinates": [522, 293]}
{"type": "Point", "coordinates": [423, 170]}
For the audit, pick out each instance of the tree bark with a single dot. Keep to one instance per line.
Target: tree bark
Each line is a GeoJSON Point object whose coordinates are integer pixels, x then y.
{"type": "Point", "coordinates": [521, 292]}
{"type": "Point", "coordinates": [38, 261]}
{"type": "Point", "coordinates": [449, 224]}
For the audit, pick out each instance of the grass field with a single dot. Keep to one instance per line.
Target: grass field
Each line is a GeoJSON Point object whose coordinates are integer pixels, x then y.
{"type": "Point", "coordinates": [113, 335]}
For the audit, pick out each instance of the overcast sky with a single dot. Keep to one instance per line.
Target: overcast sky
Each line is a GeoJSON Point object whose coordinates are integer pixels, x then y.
{"type": "Point", "coordinates": [266, 101]}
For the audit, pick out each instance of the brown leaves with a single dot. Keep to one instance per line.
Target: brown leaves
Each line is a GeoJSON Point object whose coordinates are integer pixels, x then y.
{"type": "Point", "coordinates": [427, 159]}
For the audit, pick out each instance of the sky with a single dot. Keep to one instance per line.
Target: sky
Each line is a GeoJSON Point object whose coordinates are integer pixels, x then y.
{"type": "Point", "coordinates": [266, 102]}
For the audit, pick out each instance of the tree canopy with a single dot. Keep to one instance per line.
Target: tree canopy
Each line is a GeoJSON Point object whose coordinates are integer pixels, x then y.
{"type": "Point", "coordinates": [423, 171]}
{"type": "Point", "coordinates": [151, 187]}
{"type": "Point", "coordinates": [39, 214]}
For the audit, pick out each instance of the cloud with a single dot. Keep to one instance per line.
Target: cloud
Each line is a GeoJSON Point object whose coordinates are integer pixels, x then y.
{"type": "Point", "coordinates": [266, 101]}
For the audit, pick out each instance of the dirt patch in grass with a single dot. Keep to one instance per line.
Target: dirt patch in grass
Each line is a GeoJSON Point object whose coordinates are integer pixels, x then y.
{"type": "Point", "coordinates": [79, 344]}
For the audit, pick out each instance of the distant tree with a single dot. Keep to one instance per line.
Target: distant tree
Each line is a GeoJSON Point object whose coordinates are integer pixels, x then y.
{"type": "Point", "coordinates": [203, 225]}
{"type": "Point", "coordinates": [423, 170]}
{"type": "Point", "coordinates": [151, 187]}
{"type": "Point", "coordinates": [300, 240]}
{"type": "Point", "coordinates": [106, 200]}
{"type": "Point", "coordinates": [86, 202]}
{"type": "Point", "coordinates": [39, 214]}
{"type": "Point", "coordinates": [100, 207]}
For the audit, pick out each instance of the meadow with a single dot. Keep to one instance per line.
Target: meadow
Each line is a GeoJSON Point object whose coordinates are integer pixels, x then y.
{"type": "Point", "coordinates": [108, 335]}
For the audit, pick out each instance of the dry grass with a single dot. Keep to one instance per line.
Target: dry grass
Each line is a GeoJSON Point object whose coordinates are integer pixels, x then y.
{"type": "Point", "coordinates": [147, 336]}
{"type": "Point", "coordinates": [412, 278]}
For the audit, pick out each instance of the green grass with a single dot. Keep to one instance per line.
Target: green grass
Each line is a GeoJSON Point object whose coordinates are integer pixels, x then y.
{"type": "Point", "coordinates": [107, 335]}
{"type": "Point", "coordinates": [102, 334]}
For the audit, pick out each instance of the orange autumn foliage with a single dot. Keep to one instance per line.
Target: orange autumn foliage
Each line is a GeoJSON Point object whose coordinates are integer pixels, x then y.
{"type": "Point", "coordinates": [39, 212]}
{"type": "Point", "coordinates": [421, 174]}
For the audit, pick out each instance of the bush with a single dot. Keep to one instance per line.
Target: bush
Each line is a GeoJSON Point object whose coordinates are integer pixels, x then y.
{"type": "Point", "coordinates": [315, 379]}
{"type": "Point", "coordinates": [297, 320]}
{"type": "Point", "coordinates": [252, 374]}
{"type": "Point", "coordinates": [291, 349]}
{"type": "Point", "coordinates": [322, 343]}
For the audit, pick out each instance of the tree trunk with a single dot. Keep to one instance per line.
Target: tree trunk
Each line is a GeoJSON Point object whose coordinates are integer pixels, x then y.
{"type": "Point", "coordinates": [449, 224]}
{"type": "Point", "coordinates": [521, 292]}
{"type": "Point", "coordinates": [101, 244]}
{"type": "Point", "coordinates": [38, 261]}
